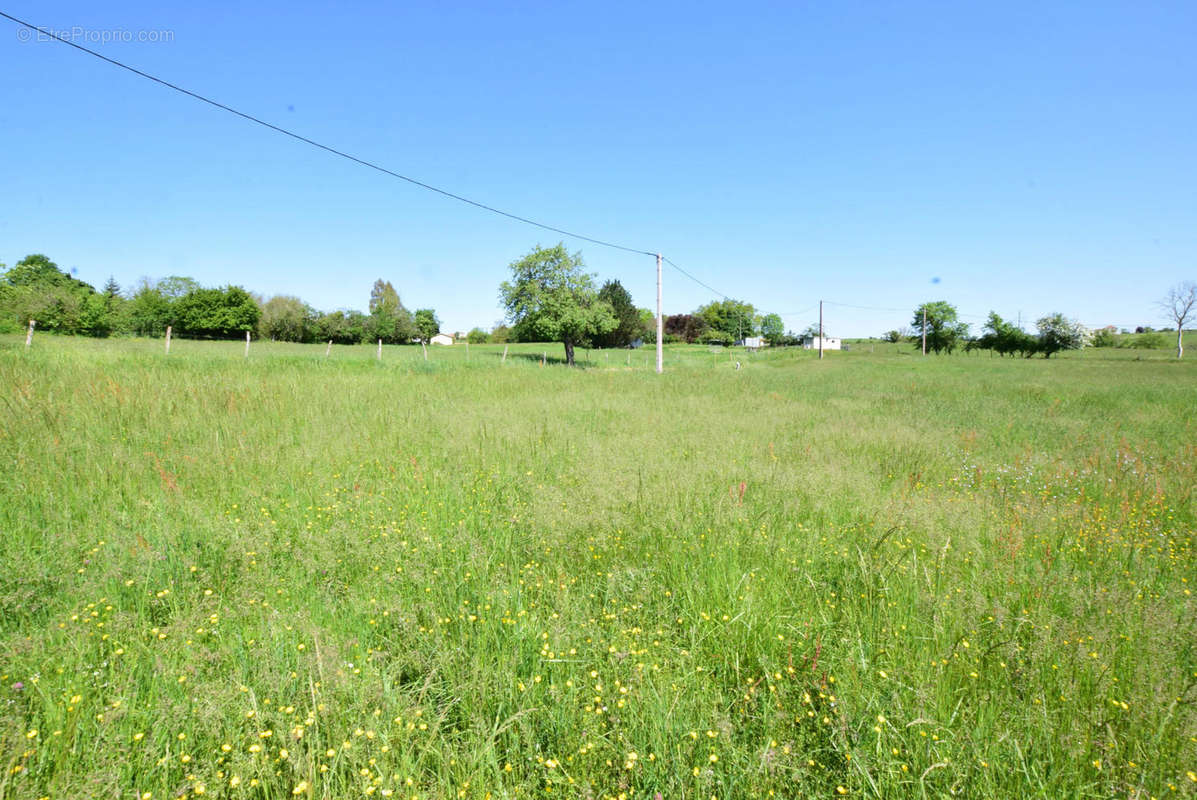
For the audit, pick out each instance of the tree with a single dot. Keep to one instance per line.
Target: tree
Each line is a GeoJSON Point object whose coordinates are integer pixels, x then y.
{"type": "Point", "coordinates": [1180, 305]}
{"type": "Point", "coordinates": [773, 329]}
{"type": "Point", "coordinates": [35, 288]}
{"type": "Point", "coordinates": [287, 319]}
{"type": "Point", "coordinates": [627, 317]}
{"type": "Point", "coordinates": [477, 336]}
{"type": "Point", "coordinates": [426, 324]}
{"type": "Point", "coordinates": [733, 318]}
{"type": "Point", "coordinates": [1057, 332]}
{"type": "Point", "coordinates": [943, 329]}
{"type": "Point", "coordinates": [551, 298]}
{"type": "Point", "coordinates": [388, 320]}
{"type": "Point", "coordinates": [500, 334]}
{"type": "Point", "coordinates": [812, 331]}
{"type": "Point", "coordinates": [688, 328]}
{"type": "Point", "coordinates": [1005, 338]}
{"type": "Point", "coordinates": [216, 313]}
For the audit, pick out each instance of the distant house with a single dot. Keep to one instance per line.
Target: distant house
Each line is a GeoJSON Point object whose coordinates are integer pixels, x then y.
{"type": "Point", "coordinates": [441, 338]}
{"type": "Point", "coordinates": [753, 342]}
{"type": "Point", "coordinates": [812, 343]}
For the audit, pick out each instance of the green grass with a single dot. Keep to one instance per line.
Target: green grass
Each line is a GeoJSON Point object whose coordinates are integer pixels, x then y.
{"type": "Point", "coordinates": [880, 575]}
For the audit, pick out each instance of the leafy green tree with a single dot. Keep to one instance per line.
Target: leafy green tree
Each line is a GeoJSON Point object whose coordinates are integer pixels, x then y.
{"type": "Point", "coordinates": [550, 297]}
{"type": "Point", "coordinates": [477, 336]}
{"type": "Point", "coordinates": [287, 319]}
{"type": "Point", "coordinates": [773, 329]}
{"type": "Point", "coordinates": [427, 325]}
{"type": "Point", "coordinates": [628, 327]}
{"type": "Point", "coordinates": [216, 313]}
{"type": "Point", "coordinates": [500, 334]}
{"type": "Point", "coordinates": [648, 326]}
{"type": "Point", "coordinates": [1057, 332]}
{"type": "Point", "coordinates": [149, 311]}
{"type": "Point", "coordinates": [735, 319]}
{"type": "Point", "coordinates": [35, 288]}
{"type": "Point", "coordinates": [943, 328]}
{"type": "Point", "coordinates": [1005, 338]}
{"type": "Point", "coordinates": [388, 320]}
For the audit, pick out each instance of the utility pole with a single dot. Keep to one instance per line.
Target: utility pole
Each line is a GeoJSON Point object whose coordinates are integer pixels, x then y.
{"type": "Point", "coordinates": [660, 322]}
{"type": "Point", "coordinates": [820, 330]}
{"type": "Point", "coordinates": [924, 330]}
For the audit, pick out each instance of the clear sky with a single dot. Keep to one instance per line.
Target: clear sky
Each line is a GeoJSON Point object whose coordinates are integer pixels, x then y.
{"type": "Point", "coordinates": [1025, 157]}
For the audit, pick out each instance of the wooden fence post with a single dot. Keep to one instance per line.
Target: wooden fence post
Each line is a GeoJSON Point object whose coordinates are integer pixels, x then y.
{"type": "Point", "coordinates": [247, 344]}
{"type": "Point", "coordinates": [328, 349]}
{"type": "Point", "coordinates": [380, 349]}
{"type": "Point", "coordinates": [29, 334]}
{"type": "Point", "coordinates": [425, 348]}
{"type": "Point", "coordinates": [504, 361]}
{"type": "Point", "coordinates": [168, 340]}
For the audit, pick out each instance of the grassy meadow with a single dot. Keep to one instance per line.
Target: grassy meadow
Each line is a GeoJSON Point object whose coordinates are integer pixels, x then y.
{"type": "Point", "coordinates": [878, 575]}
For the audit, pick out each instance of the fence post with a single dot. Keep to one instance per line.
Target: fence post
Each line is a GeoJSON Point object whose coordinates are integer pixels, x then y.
{"type": "Point", "coordinates": [380, 349]}
{"type": "Point", "coordinates": [328, 349]}
{"type": "Point", "coordinates": [29, 334]}
{"type": "Point", "coordinates": [168, 340]}
{"type": "Point", "coordinates": [425, 349]}
{"type": "Point", "coordinates": [542, 357]}
{"type": "Point", "coordinates": [247, 344]}
{"type": "Point", "coordinates": [504, 361]}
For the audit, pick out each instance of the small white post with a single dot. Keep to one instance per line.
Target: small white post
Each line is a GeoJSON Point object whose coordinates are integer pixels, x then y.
{"type": "Point", "coordinates": [328, 349]}
{"type": "Point", "coordinates": [247, 344]}
{"type": "Point", "coordinates": [380, 349]}
{"type": "Point", "coordinates": [425, 349]}
{"type": "Point", "coordinates": [542, 358]}
{"type": "Point", "coordinates": [168, 340]}
{"type": "Point", "coordinates": [504, 361]}
{"type": "Point", "coordinates": [29, 334]}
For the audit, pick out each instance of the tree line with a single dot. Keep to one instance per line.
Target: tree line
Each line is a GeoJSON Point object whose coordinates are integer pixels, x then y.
{"type": "Point", "coordinates": [35, 288]}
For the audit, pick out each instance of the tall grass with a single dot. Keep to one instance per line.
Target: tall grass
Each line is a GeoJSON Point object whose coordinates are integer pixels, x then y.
{"type": "Point", "coordinates": [875, 575]}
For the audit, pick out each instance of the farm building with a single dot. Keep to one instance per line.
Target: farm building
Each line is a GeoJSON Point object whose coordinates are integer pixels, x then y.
{"type": "Point", "coordinates": [812, 343]}
{"type": "Point", "coordinates": [753, 342]}
{"type": "Point", "coordinates": [441, 338]}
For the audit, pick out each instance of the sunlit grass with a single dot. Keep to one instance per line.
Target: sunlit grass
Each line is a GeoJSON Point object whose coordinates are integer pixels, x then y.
{"type": "Point", "coordinates": [879, 575]}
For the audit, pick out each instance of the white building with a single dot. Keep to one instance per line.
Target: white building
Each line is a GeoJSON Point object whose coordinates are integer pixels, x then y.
{"type": "Point", "coordinates": [441, 338]}
{"type": "Point", "coordinates": [752, 342]}
{"type": "Point", "coordinates": [812, 343]}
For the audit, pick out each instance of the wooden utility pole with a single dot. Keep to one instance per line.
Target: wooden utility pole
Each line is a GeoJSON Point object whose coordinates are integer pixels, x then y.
{"type": "Point", "coordinates": [924, 330]}
{"type": "Point", "coordinates": [820, 329]}
{"type": "Point", "coordinates": [29, 334]}
{"type": "Point", "coordinates": [167, 340]}
{"type": "Point", "coordinates": [660, 322]}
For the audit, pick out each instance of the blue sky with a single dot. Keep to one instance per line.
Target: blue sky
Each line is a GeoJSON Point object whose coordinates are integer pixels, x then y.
{"type": "Point", "coordinates": [1021, 157]}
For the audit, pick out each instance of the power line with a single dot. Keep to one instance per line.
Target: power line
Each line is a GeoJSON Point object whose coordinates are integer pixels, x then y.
{"type": "Point", "coordinates": [696, 280]}
{"type": "Point", "coordinates": [361, 161]}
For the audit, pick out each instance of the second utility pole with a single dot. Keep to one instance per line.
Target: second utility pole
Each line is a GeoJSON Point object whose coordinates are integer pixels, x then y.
{"type": "Point", "coordinates": [820, 329]}
{"type": "Point", "coordinates": [660, 321]}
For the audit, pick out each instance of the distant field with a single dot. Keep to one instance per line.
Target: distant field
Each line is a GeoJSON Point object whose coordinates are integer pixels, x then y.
{"type": "Point", "coordinates": [878, 575]}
